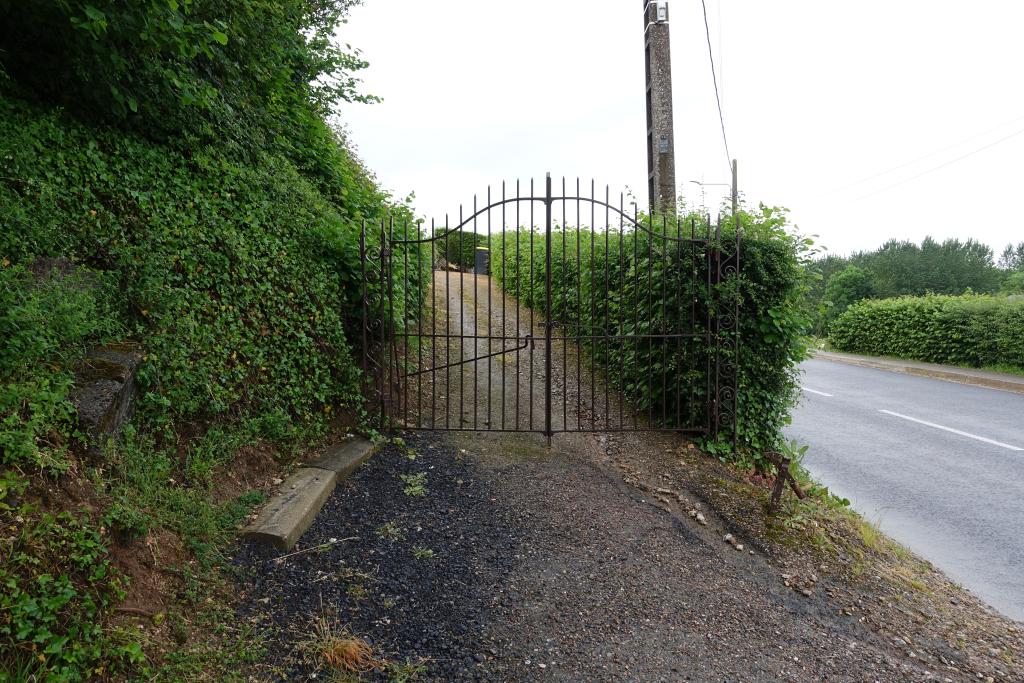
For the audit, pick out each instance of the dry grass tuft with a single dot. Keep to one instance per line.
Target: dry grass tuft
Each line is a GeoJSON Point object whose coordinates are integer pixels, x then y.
{"type": "Point", "coordinates": [336, 648]}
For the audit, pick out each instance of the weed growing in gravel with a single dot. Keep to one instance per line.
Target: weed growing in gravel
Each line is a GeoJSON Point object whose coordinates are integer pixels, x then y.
{"type": "Point", "coordinates": [357, 591]}
{"type": "Point", "coordinates": [354, 575]}
{"type": "Point", "coordinates": [404, 673]}
{"type": "Point", "coordinates": [421, 553]}
{"type": "Point", "coordinates": [410, 454]}
{"type": "Point", "coordinates": [389, 531]}
{"type": "Point", "coordinates": [870, 535]}
{"type": "Point", "coordinates": [415, 484]}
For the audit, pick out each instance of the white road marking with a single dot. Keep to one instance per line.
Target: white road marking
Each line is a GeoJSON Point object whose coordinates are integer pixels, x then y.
{"type": "Point", "coordinates": [954, 431]}
{"type": "Point", "coordinates": [815, 391]}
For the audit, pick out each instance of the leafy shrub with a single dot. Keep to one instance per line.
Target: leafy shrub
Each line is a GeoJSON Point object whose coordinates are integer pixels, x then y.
{"type": "Point", "coordinates": [45, 322]}
{"type": "Point", "coordinates": [242, 281]}
{"type": "Point", "coordinates": [242, 75]}
{"type": "Point", "coordinates": [139, 483]}
{"type": "Point", "coordinates": [847, 287]}
{"type": "Point", "coordinates": [177, 154]}
{"type": "Point", "coordinates": [971, 330]}
{"type": "Point", "coordinates": [1014, 283]}
{"type": "Point", "coordinates": [629, 284]}
{"type": "Point", "coordinates": [56, 580]}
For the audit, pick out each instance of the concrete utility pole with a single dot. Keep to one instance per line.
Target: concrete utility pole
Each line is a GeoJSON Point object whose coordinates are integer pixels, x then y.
{"type": "Point", "coordinates": [661, 155]}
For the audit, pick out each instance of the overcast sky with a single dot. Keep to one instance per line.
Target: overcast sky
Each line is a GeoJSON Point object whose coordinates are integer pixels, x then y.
{"type": "Point", "coordinates": [842, 112]}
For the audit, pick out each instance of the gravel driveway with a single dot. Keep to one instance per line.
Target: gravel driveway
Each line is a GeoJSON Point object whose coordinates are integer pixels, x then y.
{"type": "Point", "coordinates": [545, 567]}
{"type": "Point", "coordinates": [490, 557]}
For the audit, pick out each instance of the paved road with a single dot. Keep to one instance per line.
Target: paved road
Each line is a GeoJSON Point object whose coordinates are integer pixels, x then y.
{"type": "Point", "coordinates": [940, 466]}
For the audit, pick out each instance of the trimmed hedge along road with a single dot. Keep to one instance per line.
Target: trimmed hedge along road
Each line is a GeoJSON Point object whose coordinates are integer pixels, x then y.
{"type": "Point", "coordinates": [971, 331]}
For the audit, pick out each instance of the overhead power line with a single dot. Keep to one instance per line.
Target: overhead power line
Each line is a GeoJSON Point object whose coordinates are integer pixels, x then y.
{"type": "Point", "coordinates": [714, 78]}
{"type": "Point", "coordinates": [922, 158]}
{"type": "Point", "coordinates": [941, 166]}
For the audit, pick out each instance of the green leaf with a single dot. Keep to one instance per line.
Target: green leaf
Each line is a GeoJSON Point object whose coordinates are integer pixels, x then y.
{"type": "Point", "coordinates": [220, 37]}
{"type": "Point", "coordinates": [94, 13]}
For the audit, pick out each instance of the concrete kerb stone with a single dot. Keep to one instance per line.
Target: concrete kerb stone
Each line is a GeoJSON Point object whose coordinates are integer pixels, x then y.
{"type": "Point", "coordinates": [988, 382]}
{"type": "Point", "coordinates": [344, 458]}
{"type": "Point", "coordinates": [292, 510]}
{"type": "Point", "coordinates": [950, 375]}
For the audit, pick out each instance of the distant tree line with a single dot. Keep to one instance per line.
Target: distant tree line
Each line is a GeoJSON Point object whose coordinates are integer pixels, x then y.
{"type": "Point", "coordinates": [901, 267]}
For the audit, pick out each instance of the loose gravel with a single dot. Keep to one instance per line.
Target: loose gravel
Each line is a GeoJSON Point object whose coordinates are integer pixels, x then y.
{"type": "Point", "coordinates": [544, 567]}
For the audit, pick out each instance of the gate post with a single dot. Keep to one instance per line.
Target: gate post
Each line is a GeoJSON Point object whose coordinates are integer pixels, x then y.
{"type": "Point", "coordinates": [723, 262]}
{"type": "Point", "coordinates": [547, 308]}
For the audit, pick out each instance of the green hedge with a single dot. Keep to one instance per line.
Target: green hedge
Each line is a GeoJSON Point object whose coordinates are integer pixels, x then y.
{"type": "Point", "coordinates": [242, 282]}
{"type": "Point", "coordinates": [971, 331]}
{"type": "Point", "coordinates": [630, 285]}
{"type": "Point", "coordinates": [459, 248]}
{"type": "Point", "coordinates": [174, 161]}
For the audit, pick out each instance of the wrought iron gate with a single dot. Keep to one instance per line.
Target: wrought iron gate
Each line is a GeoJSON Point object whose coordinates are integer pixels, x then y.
{"type": "Point", "coordinates": [598, 319]}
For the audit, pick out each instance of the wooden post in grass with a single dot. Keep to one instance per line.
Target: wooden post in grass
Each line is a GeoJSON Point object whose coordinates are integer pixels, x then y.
{"type": "Point", "coordinates": [782, 477]}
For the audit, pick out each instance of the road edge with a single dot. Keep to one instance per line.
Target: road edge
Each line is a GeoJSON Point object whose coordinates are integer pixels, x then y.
{"type": "Point", "coordinates": [947, 375]}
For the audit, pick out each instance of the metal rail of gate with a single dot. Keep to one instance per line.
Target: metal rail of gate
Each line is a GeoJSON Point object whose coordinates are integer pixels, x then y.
{"type": "Point", "coordinates": [550, 338]}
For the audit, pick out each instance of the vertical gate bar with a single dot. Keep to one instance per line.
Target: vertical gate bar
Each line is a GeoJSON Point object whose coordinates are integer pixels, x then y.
{"type": "Point", "coordinates": [636, 341]}
{"type": "Point", "coordinates": [490, 311]}
{"type": "Point", "coordinates": [692, 357]}
{"type": "Point", "coordinates": [531, 306]}
{"type": "Point", "coordinates": [604, 303]}
{"type": "Point", "coordinates": [718, 324]}
{"type": "Point", "coordinates": [649, 267]}
{"type": "Point", "coordinates": [547, 307]}
{"type": "Point", "coordinates": [385, 356]}
{"type": "Point", "coordinates": [620, 323]}
{"type": "Point", "coordinates": [405, 317]}
{"type": "Point", "coordinates": [389, 327]}
{"type": "Point", "coordinates": [579, 314]}
{"type": "Point", "coordinates": [708, 263]}
{"type": "Point", "coordinates": [680, 351]}
{"type": "Point", "coordinates": [363, 294]}
{"type": "Point", "coordinates": [636, 327]}
{"type": "Point", "coordinates": [447, 328]}
{"type": "Point", "coordinates": [736, 312]}
{"type": "Point", "coordinates": [433, 328]}
{"type": "Point", "coordinates": [666, 344]}
{"type": "Point", "coordinates": [395, 321]}
{"type": "Point", "coordinates": [736, 346]}
{"type": "Point", "coordinates": [462, 323]}
{"type": "Point", "coordinates": [421, 306]}
{"type": "Point", "coordinates": [564, 329]}
{"type": "Point", "coordinates": [519, 295]}
{"type": "Point", "coordinates": [476, 322]}
{"type": "Point", "coordinates": [593, 305]}
{"type": "Point", "coordinates": [504, 304]}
